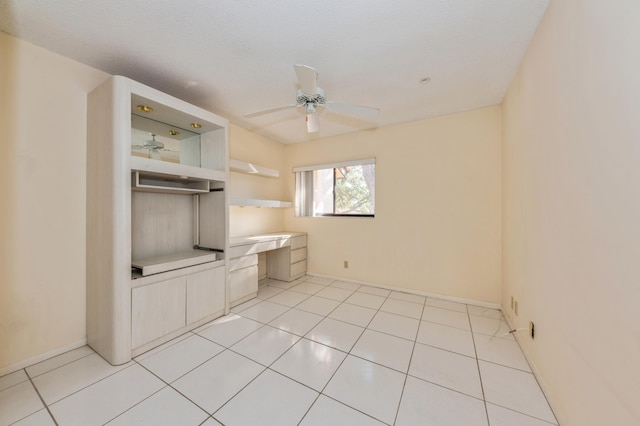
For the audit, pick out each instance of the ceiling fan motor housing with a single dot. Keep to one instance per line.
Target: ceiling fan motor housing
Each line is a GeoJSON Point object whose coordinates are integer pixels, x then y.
{"type": "Point", "coordinates": [315, 99]}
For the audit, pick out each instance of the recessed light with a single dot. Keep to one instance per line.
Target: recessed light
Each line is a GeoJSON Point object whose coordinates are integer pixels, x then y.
{"type": "Point", "coordinates": [145, 108]}
{"type": "Point", "coordinates": [174, 132]}
{"type": "Point", "coordinates": [425, 80]}
{"type": "Point", "coordinates": [196, 125]}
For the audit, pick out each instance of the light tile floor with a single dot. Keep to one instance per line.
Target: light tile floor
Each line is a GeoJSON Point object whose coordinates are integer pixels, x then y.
{"type": "Point", "coordinates": [312, 352]}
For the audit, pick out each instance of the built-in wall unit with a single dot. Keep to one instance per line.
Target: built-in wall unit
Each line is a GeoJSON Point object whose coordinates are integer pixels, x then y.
{"type": "Point", "coordinates": [157, 218]}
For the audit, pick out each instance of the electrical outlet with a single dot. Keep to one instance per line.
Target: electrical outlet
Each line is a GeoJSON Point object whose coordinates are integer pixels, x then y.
{"type": "Point", "coordinates": [532, 329]}
{"type": "Point", "coordinates": [515, 307]}
{"type": "Point", "coordinates": [346, 264]}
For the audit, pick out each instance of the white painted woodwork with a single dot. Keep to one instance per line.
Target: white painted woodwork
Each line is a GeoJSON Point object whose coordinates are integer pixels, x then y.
{"type": "Point", "coordinates": [108, 221]}
{"type": "Point", "coordinates": [262, 266]}
{"type": "Point", "coordinates": [154, 212]}
{"type": "Point", "coordinates": [150, 182]}
{"type": "Point", "coordinates": [214, 222]}
{"type": "Point", "coordinates": [252, 169]}
{"type": "Point", "coordinates": [215, 150]}
{"type": "Point", "coordinates": [298, 242]}
{"type": "Point", "coordinates": [173, 261]}
{"type": "Point", "coordinates": [161, 224]}
{"type": "Point", "coordinates": [283, 262]}
{"type": "Point", "coordinates": [251, 202]}
{"type": "Point", "coordinates": [190, 151]}
{"type": "Point", "coordinates": [242, 262]}
{"type": "Point", "coordinates": [205, 293]}
{"type": "Point", "coordinates": [243, 284]}
{"type": "Point", "coordinates": [298, 254]}
{"type": "Point", "coordinates": [297, 270]}
{"type": "Point", "coordinates": [140, 281]}
{"type": "Point", "coordinates": [174, 170]}
{"type": "Point", "coordinates": [157, 310]}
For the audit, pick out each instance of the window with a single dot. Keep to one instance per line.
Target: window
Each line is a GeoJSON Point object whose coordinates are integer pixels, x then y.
{"type": "Point", "coordinates": [338, 189]}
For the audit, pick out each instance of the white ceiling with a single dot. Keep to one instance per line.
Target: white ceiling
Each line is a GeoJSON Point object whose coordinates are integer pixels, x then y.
{"type": "Point", "coordinates": [233, 57]}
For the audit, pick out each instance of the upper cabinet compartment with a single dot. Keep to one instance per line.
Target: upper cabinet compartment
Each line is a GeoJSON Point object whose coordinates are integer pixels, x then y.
{"type": "Point", "coordinates": [163, 142]}
{"type": "Point", "coordinates": [171, 138]}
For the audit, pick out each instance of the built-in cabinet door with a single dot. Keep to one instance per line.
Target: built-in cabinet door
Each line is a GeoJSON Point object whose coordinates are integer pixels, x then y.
{"type": "Point", "coordinates": [205, 293]}
{"type": "Point", "coordinates": [157, 309]}
{"type": "Point", "coordinates": [242, 283]}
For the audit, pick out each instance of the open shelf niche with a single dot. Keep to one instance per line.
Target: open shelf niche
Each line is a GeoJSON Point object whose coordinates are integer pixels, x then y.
{"type": "Point", "coordinates": [256, 170]}
{"type": "Point", "coordinates": [157, 218]}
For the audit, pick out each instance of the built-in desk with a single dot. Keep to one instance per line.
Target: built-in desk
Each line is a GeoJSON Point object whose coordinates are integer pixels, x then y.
{"type": "Point", "coordinates": [286, 254]}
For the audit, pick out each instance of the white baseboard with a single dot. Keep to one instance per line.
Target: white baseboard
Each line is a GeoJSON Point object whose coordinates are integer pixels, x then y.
{"type": "Point", "coordinates": [416, 292]}
{"type": "Point", "coordinates": [42, 357]}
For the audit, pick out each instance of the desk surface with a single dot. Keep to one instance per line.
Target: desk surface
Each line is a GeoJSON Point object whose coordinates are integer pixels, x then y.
{"type": "Point", "coordinates": [252, 239]}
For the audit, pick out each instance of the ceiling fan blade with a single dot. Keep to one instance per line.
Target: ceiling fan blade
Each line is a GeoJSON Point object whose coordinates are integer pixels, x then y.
{"type": "Point", "coordinates": [313, 124]}
{"type": "Point", "coordinates": [153, 153]}
{"type": "Point", "coordinates": [307, 79]}
{"type": "Point", "coordinates": [357, 110]}
{"type": "Point", "coordinates": [270, 110]}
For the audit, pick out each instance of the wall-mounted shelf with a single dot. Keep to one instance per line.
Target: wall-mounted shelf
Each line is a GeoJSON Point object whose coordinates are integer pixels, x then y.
{"type": "Point", "coordinates": [252, 169]}
{"type": "Point", "coordinates": [251, 202]}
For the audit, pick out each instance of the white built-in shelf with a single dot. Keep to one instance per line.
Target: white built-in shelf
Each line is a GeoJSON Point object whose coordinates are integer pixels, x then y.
{"type": "Point", "coordinates": [152, 182]}
{"type": "Point", "coordinates": [251, 202]}
{"type": "Point", "coordinates": [252, 169]}
{"type": "Point", "coordinates": [182, 171]}
{"type": "Point", "coordinates": [170, 262]}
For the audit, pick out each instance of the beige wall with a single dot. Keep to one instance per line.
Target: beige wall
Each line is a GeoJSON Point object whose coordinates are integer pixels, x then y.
{"type": "Point", "coordinates": [438, 219]}
{"type": "Point", "coordinates": [250, 147]}
{"type": "Point", "coordinates": [42, 198]}
{"type": "Point", "coordinates": [571, 162]}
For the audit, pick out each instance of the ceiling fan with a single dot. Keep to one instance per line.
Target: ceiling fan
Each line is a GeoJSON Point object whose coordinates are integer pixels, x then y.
{"type": "Point", "coordinates": [311, 98]}
{"type": "Point", "coordinates": [153, 147]}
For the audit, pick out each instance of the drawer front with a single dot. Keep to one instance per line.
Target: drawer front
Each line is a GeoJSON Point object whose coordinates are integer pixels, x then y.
{"type": "Point", "coordinates": [298, 242]}
{"type": "Point", "coordinates": [298, 269]}
{"type": "Point", "coordinates": [243, 262]}
{"type": "Point", "coordinates": [298, 254]}
{"type": "Point", "coordinates": [242, 250]}
{"type": "Point", "coordinates": [266, 246]}
{"type": "Point", "coordinates": [243, 282]}
{"type": "Point", "coordinates": [157, 309]}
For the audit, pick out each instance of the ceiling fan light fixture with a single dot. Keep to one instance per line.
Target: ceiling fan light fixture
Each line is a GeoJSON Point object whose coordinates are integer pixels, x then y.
{"type": "Point", "coordinates": [313, 124]}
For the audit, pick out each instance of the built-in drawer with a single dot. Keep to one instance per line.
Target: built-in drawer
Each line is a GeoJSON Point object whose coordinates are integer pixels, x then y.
{"type": "Point", "coordinates": [298, 242]}
{"type": "Point", "coordinates": [246, 249]}
{"type": "Point", "coordinates": [298, 269]}
{"type": "Point", "coordinates": [298, 254]}
{"type": "Point", "coordinates": [243, 262]}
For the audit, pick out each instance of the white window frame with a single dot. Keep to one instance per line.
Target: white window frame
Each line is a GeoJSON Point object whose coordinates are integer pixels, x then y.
{"type": "Point", "coordinates": [304, 192]}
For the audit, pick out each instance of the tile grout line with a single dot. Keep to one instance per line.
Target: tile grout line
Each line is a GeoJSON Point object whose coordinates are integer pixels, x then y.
{"type": "Point", "coordinates": [46, 406]}
{"type": "Point", "coordinates": [484, 397]}
{"type": "Point", "coordinates": [406, 376]}
{"type": "Point", "coordinates": [341, 363]}
{"type": "Point", "coordinates": [62, 365]}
